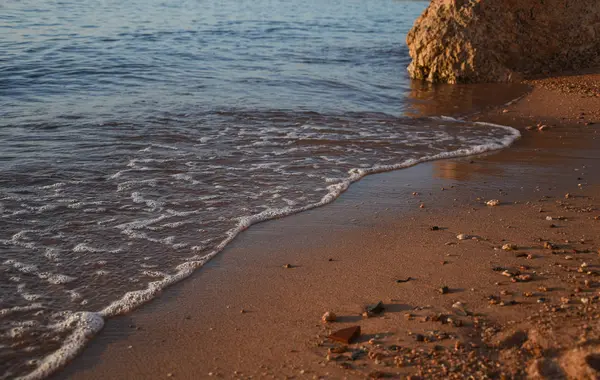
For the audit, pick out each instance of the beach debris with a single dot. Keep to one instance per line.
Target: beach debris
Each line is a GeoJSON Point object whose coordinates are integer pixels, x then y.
{"type": "Point", "coordinates": [493, 202]}
{"type": "Point", "coordinates": [527, 294]}
{"type": "Point", "coordinates": [510, 247]}
{"type": "Point", "coordinates": [422, 205]}
{"type": "Point", "coordinates": [400, 281]}
{"type": "Point", "coordinates": [543, 127]}
{"type": "Point", "coordinates": [444, 289]}
{"type": "Point", "coordinates": [378, 308]}
{"type": "Point", "coordinates": [548, 245]}
{"type": "Point", "coordinates": [567, 195]}
{"type": "Point", "coordinates": [507, 273]}
{"type": "Point", "coordinates": [346, 335]}
{"type": "Point", "coordinates": [462, 236]}
{"type": "Point", "coordinates": [328, 317]}
{"type": "Point", "coordinates": [459, 309]}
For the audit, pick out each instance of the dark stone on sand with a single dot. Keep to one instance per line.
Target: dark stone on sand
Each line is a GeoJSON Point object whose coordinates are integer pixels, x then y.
{"type": "Point", "coordinates": [593, 360]}
{"type": "Point", "coordinates": [444, 289]}
{"type": "Point", "coordinates": [434, 228]}
{"type": "Point", "coordinates": [402, 281]}
{"type": "Point", "coordinates": [346, 335]}
{"type": "Point", "coordinates": [375, 309]}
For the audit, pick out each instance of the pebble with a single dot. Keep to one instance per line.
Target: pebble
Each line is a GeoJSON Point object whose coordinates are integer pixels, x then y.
{"type": "Point", "coordinates": [509, 247]}
{"type": "Point", "coordinates": [493, 202]}
{"type": "Point", "coordinates": [328, 317]}
{"type": "Point", "coordinates": [462, 237]}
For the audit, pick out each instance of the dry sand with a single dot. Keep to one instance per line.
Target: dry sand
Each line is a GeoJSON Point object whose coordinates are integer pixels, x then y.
{"type": "Point", "coordinates": [246, 315]}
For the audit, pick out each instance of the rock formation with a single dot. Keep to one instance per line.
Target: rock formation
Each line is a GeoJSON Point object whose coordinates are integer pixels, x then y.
{"type": "Point", "coordinates": [464, 41]}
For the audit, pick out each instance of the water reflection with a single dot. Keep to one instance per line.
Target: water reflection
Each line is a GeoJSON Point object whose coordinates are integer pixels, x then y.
{"type": "Point", "coordinates": [427, 99]}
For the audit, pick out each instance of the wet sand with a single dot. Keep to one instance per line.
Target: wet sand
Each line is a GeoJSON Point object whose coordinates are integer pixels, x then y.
{"type": "Point", "coordinates": [246, 315]}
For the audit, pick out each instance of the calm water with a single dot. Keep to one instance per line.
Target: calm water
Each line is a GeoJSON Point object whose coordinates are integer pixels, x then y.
{"type": "Point", "coordinates": [138, 138]}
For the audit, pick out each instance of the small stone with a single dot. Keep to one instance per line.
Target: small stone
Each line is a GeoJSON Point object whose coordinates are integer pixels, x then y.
{"type": "Point", "coordinates": [493, 202]}
{"type": "Point", "coordinates": [548, 245]}
{"type": "Point", "coordinates": [422, 205]}
{"type": "Point", "coordinates": [523, 277]}
{"type": "Point", "coordinates": [444, 289]}
{"type": "Point", "coordinates": [346, 335]}
{"type": "Point", "coordinates": [419, 337]}
{"type": "Point", "coordinates": [288, 266]}
{"type": "Point", "coordinates": [375, 309]}
{"type": "Point", "coordinates": [509, 247]}
{"type": "Point", "coordinates": [338, 350]}
{"type": "Point", "coordinates": [328, 317]}
{"type": "Point", "coordinates": [543, 127]}
{"type": "Point", "coordinates": [507, 273]}
{"type": "Point", "coordinates": [527, 294]}
{"type": "Point", "coordinates": [462, 237]}
{"type": "Point", "coordinates": [460, 309]}
{"type": "Point", "coordinates": [434, 228]}
{"type": "Point", "coordinates": [567, 195]}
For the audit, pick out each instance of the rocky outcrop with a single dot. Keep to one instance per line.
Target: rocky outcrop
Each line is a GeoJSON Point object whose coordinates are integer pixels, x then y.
{"type": "Point", "coordinates": [463, 41]}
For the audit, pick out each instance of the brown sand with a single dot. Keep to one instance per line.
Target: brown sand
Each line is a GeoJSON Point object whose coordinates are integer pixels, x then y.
{"type": "Point", "coordinates": [245, 315]}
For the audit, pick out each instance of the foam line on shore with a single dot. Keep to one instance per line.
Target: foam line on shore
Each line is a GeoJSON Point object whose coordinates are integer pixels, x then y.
{"type": "Point", "coordinates": [88, 324]}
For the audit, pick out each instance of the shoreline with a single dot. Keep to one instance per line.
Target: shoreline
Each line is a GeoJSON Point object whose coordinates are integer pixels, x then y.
{"type": "Point", "coordinates": [188, 340]}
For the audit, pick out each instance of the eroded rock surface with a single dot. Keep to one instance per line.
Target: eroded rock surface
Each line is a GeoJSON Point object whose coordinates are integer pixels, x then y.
{"type": "Point", "coordinates": [462, 41]}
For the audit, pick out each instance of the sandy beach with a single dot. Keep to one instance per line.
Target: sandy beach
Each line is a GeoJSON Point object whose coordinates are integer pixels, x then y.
{"type": "Point", "coordinates": [468, 289]}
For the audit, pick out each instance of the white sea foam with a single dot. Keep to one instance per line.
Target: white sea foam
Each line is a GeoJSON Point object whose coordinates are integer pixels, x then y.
{"type": "Point", "coordinates": [88, 323]}
{"type": "Point", "coordinates": [83, 326]}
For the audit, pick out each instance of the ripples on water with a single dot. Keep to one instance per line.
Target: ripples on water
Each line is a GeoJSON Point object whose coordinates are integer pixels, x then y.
{"type": "Point", "coordinates": [138, 138]}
